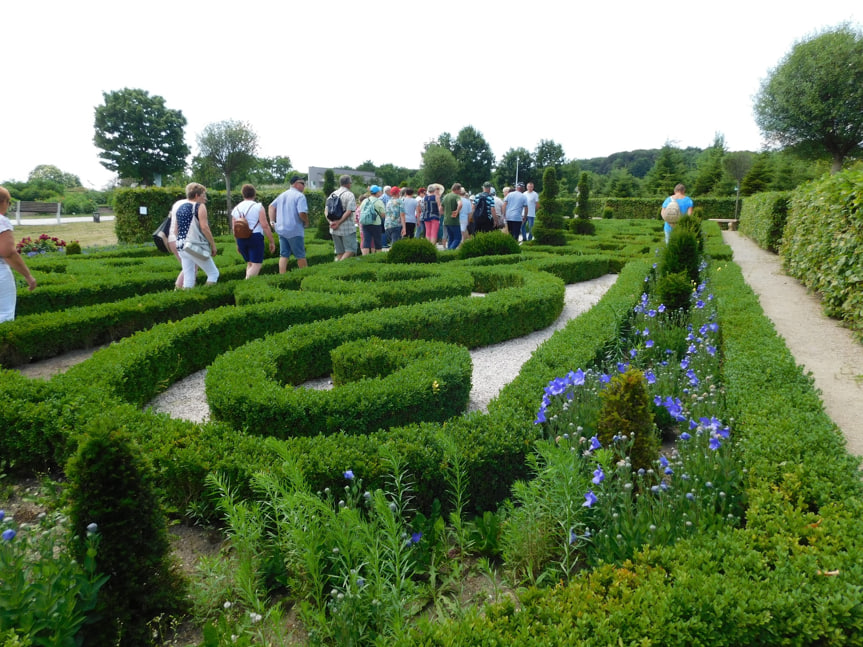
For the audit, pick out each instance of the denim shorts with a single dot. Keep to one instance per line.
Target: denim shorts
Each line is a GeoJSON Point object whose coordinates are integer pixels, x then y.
{"type": "Point", "coordinates": [295, 245]}
{"type": "Point", "coordinates": [252, 248]}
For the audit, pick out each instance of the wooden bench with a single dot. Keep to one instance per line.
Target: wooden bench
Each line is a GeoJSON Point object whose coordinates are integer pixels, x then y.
{"type": "Point", "coordinates": [25, 206]}
{"type": "Point", "coordinates": [731, 222]}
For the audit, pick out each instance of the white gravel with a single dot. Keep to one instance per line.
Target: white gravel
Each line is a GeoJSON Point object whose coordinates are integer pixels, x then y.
{"type": "Point", "coordinates": [493, 366]}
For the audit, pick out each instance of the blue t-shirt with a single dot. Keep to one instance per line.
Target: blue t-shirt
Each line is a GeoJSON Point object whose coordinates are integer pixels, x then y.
{"type": "Point", "coordinates": [685, 203]}
{"type": "Point", "coordinates": [515, 202]}
{"type": "Point", "coordinates": [289, 205]}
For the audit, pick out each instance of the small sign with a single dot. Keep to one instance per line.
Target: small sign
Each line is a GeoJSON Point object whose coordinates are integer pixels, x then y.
{"type": "Point", "coordinates": [142, 211]}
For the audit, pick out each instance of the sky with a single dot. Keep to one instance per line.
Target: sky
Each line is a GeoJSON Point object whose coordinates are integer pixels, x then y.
{"type": "Point", "coordinates": [333, 83]}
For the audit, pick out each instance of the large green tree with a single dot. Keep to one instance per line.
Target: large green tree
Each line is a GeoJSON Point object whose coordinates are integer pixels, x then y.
{"type": "Point", "coordinates": [53, 174]}
{"type": "Point", "coordinates": [709, 167]}
{"type": "Point", "coordinates": [474, 156]}
{"type": "Point", "coordinates": [270, 170]}
{"type": "Point", "coordinates": [230, 146]}
{"type": "Point", "coordinates": [140, 138]}
{"type": "Point", "coordinates": [548, 153]}
{"type": "Point", "coordinates": [439, 165]}
{"type": "Point", "coordinates": [668, 170]}
{"type": "Point", "coordinates": [813, 100]}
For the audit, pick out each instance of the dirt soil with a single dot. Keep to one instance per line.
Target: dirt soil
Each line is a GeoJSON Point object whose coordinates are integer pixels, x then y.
{"type": "Point", "coordinates": [819, 343]}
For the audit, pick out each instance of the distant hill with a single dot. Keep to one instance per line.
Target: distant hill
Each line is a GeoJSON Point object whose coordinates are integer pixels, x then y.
{"type": "Point", "coordinates": [638, 162]}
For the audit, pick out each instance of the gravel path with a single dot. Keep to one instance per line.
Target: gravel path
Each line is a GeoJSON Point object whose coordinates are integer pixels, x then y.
{"type": "Point", "coordinates": [493, 366]}
{"type": "Point", "coordinates": [819, 343]}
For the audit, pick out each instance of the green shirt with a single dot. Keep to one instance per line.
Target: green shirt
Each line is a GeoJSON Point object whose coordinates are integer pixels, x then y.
{"type": "Point", "coordinates": [451, 202]}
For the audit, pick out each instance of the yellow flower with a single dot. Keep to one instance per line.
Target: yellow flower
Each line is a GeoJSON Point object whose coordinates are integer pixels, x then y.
{"type": "Point", "coordinates": [435, 387]}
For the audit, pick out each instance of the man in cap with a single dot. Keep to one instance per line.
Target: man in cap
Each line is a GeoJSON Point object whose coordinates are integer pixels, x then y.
{"type": "Point", "coordinates": [290, 213]}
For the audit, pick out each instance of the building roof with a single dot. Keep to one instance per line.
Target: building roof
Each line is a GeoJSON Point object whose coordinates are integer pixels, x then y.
{"type": "Point", "coordinates": [316, 175]}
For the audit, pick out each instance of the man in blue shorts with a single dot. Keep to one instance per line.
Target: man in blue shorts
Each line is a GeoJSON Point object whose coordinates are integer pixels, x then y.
{"type": "Point", "coordinates": [290, 212]}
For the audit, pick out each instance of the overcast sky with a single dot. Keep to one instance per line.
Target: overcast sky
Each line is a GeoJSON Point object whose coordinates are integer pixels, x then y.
{"type": "Point", "coordinates": [330, 82]}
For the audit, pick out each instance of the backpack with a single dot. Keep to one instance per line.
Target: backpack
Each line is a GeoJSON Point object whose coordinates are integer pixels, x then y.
{"type": "Point", "coordinates": [160, 236]}
{"type": "Point", "coordinates": [241, 225]}
{"type": "Point", "coordinates": [335, 208]}
{"type": "Point", "coordinates": [481, 213]}
{"type": "Point", "coordinates": [671, 213]}
{"type": "Point", "coordinates": [368, 214]}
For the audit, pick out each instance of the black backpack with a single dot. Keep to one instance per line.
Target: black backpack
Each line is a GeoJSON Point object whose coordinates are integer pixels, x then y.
{"type": "Point", "coordinates": [481, 213]}
{"type": "Point", "coordinates": [335, 208]}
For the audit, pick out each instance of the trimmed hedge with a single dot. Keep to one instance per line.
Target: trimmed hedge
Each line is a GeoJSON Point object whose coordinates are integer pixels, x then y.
{"type": "Point", "coordinates": [763, 218]}
{"type": "Point", "coordinates": [823, 243]}
{"type": "Point", "coordinates": [798, 551]}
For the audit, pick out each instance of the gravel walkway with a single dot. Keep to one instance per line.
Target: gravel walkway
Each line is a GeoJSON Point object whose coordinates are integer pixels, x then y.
{"type": "Point", "coordinates": [493, 366]}
{"type": "Point", "coordinates": [819, 343]}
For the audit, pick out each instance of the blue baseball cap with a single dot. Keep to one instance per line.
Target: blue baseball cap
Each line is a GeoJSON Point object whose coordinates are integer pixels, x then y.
{"type": "Point", "coordinates": [374, 188]}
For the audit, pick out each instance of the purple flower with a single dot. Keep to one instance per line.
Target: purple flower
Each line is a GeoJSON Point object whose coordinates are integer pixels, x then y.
{"type": "Point", "coordinates": [415, 537]}
{"type": "Point", "coordinates": [633, 352]}
{"type": "Point", "coordinates": [556, 386]}
{"type": "Point", "coordinates": [598, 475]}
{"type": "Point", "coordinates": [540, 416]}
{"type": "Point", "coordinates": [650, 377]}
{"type": "Point", "coordinates": [663, 461]}
{"type": "Point", "coordinates": [699, 304]}
{"type": "Point", "coordinates": [690, 496]}
{"type": "Point", "coordinates": [648, 343]}
{"type": "Point", "coordinates": [685, 436]}
{"type": "Point", "coordinates": [589, 499]}
{"type": "Point", "coordinates": [349, 475]}
{"type": "Point", "coordinates": [605, 378]}
{"type": "Point", "coordinates": [622, 367]}
{"type": "Point", "coordinates": [711, 350]}
{"type": "Point", "coordinates": [684, 363]}
{"type": "Point", "coordinates": [713, 326]}
{"type": "Point", "coordinates": [714, 443]}
{"type": "Point", "coordinates": [594, 443]}
{"type": "Point", "coordinates": [2, 515]}
{"type": "Point", "coordinates": [8, 534]}
{"type": "Point", "coordinates": [657, 400]}
{"type": "Point", "coordinates": [578, 378]}
{"type": "Point", "coordinates": [661, 307]}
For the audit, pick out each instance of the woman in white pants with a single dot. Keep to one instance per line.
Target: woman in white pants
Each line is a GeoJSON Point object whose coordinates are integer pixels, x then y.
{"type": "Point", "coordinates": [182, 214]}
{"type": "Point", "coordinates": [9, 259]}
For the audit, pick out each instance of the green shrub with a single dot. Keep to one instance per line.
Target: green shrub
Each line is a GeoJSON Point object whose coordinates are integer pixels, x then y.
{"type": "Point", "coordinates": [111, 486]}
{"type": "Point", "coordinates": [675, 290]}
{"type": "Point", "coordinates": [582, 227]}
{"type": "Point", "coordinates": [493, 243]}
{"type": "Point", "coordinates": [693, 224]}
{"type": "Point", "coordinates": [73, 248]}
{"type": "Point", "coordinates": [626, 411]}
{"type": "Point", "coordinates": [412, 250]}
{"type": "Point", "coordinates": [681, 254]}
{"type": "Point", "coordinates": [763, 218]}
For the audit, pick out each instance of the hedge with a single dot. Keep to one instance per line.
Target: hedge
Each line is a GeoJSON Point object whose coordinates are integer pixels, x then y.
{"type": "Point", "coordinates": [763, 218]}
{"type": "Point", "coordinates": [823, 243]}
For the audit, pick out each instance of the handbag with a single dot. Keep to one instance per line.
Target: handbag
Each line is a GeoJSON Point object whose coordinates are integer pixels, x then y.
{"type": "Point", "coordinates": [196, 243]}
{"type": "Point", "coordinates": [160, 236]}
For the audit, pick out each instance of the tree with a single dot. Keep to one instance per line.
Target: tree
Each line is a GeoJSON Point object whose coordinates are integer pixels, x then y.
{"type": "Point", "coordinates": [547, 153]}
{"type": "Point", "coordinates": [140, 138]}
{"type": "Point", "coordinates": [54, 174]}
{"type": "Point", "coordinates": [549, 215]}
{"type": "Point", "coordinates": [622, 184]}
{"type": "Point", "coordinates": [709, 167]}
{"type": "Point", "coordinates": [668, 170]}
{"type": "Point", "coordinates": [813, 100]}
{"type": "Point", "coordinates": [515, 162]}
{"type": "Point", "coordinates": [230, 146]}
{"type": "Point", "coordinates": [270, 170]}
{"type": "Point", "coordinates": [329, 182]}
{"type": "Point", "coordinates": [474, 156]}
{"type": "Point", "coordinates": [759, 176]}
{"type": "Point", "coordinates": [439, 165]}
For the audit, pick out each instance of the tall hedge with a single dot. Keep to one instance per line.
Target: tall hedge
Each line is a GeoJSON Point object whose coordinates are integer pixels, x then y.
{"type": "Point", "coordinates": [823, 242]}
{"type": "Point", "coordinates": [763, 218]}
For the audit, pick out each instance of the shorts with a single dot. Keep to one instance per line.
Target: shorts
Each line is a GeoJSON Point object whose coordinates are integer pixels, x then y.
{"type": "Point", "coordinates": [346, 243]}
{"type": "Point", "coordinates": [372, 235]}
{"type": "Point", "coordinates": [252, 248]}
{"type": "Point", "coordinates": [295, 245]}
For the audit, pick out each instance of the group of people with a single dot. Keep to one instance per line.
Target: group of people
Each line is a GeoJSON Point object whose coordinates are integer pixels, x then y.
{"type": "Point", "coordinates": [388, 214]}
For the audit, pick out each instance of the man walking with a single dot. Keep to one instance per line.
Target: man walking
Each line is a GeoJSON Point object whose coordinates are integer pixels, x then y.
{"type": "Point", "coordinates": [515, 205]}
{"type": "Point", "coordinates": [344, 229]}
{"type": "Point", "coordinates": [484, 213]}
{"type": "Point", "coordinates": [290, 212]}
{"type": "Point", "coordinates": [532, 200]}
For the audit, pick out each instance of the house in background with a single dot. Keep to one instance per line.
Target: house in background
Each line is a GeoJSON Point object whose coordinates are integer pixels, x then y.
{"type": "Point", "coordinates": [316, 176]}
